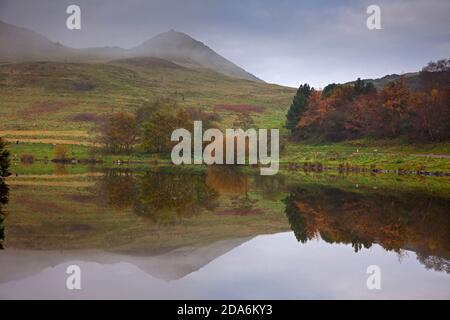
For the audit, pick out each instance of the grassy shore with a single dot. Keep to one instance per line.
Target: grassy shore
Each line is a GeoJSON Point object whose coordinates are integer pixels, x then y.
{"type": "Point", "coordinates": [383, 155]}
{"type": "Point", "coordinates": [386, 155]}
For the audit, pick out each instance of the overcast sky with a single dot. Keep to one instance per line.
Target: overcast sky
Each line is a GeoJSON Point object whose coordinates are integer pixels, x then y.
{"type": "Point", "coordinates": [285, 41]}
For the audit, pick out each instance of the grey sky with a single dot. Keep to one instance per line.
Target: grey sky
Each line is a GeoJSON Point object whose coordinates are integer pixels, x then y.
{"type": "Point", "coordinates": [287, 41]}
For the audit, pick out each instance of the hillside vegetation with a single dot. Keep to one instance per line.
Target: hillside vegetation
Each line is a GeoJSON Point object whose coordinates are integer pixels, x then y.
{"type": "Point", "coordinates": [55, 96]}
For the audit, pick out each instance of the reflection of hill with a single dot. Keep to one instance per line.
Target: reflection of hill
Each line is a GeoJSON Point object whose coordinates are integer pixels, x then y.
{"type": "Point", "coordinates": [18, 264]}
{"type": "Point", "coordinates": [395, 221]}
{"type": "Point", "coordinates": [140, 213]}
{"type": "Point", "coordinates": [165, 223]}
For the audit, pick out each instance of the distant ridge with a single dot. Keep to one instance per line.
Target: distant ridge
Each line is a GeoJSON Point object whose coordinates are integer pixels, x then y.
{"type": "Point", "coordinates": [411, 79]}
{"type": "Point", "coordinates": [21, 44]}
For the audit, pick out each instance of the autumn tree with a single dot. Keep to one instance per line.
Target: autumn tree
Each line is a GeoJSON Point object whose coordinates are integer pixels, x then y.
{"type": "Point", "coordinates": [430, 114]}
{"type": "Point", "coordinates": [325, 117]}
{"type": "Point", "coordinates": [158, 104]}
{"type": "Point", "coordinates": [158, 119]}
{"type": "Point", "coordinates": [435, 75]}
{"type": "Point", "coordinates": [363, 87]}
{"type": "Point", "coordinates": [395, 97]}
{"type": "Point", "coordinates": [158, 128]}
{"type": "Point", "coordinates": [365, 117]}
{"type": "Point", "coordinates": [118, 132]}
{"type": "Point", "coordinates": [60, 152]}
{"type": "Point", "coordinates": [348, 111]}
{"type": "Point", "coordinates": [316, 112]}
{"type": "Point", "coordinates": [208, 119]}
{"type": "Point", "coordinates": [326, 92]}
{"type": "Point", "coordinates": [438, 66]}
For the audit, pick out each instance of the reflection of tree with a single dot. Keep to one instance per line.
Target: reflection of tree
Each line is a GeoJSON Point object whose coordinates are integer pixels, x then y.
{"type": "Point", "coordinates": [4, 172]}
{"type": "Point", "coordinates": [232, 182]}
{"type": "Point", "coordinates": [270, 187]}
{"type": "Point", "coordinates": [3, 201]}
{"type": "Point", "coordinates": [395, 221]}
{"type": "Point", "coordinates": [435, 263]}
{"type": "Point", "coordinates": [227, 180]}
{"type": "Point", "coordinates": [165, 197]}
{"type": "Point", "coordinates": [296, 220]}
{"type": "Point", "coordinates": [117, 189]}
{"type": "Point", "coordinates": [60, 169]}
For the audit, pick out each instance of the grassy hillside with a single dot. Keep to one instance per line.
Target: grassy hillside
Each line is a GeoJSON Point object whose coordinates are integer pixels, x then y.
{"type": "Point", "coordinates": [43, 104]}
{"type": "Point", "coordinates": [67, 96]}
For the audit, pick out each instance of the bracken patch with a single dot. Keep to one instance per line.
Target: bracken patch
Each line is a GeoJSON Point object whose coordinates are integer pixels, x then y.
{"type": "Point", "coordinates": [39, 109]}
{"type": "Point", "coordinates": [243, 108]}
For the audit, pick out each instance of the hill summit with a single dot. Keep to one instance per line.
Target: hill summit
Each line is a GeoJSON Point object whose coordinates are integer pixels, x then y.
{"type": "Point", "coordinates": [21, 44]}
{"type": "Point", "coordinates": [182, 49]}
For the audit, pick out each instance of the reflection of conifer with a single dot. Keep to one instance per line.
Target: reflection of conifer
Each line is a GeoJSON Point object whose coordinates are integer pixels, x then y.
{"type": "Point", "coordinates": [4, 172]}
{"type": "Point", "coordinates": [2, 228]}
{"type": "Point", "coordinates": [359, 244]}
{"type": "Point", "coordinates": [296, 220]}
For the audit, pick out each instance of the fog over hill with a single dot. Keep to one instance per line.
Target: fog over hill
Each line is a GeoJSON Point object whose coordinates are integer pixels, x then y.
{"type": "Point", "coordinates": [21, 44]}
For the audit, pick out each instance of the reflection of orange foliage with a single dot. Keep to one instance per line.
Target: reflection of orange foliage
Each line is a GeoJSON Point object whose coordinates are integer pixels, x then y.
{"type": "Point", "coordinates": [227, 180]}
{"type": "Point", "coordinates": [388, 221]}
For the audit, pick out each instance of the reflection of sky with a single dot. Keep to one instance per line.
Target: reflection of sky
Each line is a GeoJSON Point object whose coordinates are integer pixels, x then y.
{"type": "Point", "coordinates": [266, 267]}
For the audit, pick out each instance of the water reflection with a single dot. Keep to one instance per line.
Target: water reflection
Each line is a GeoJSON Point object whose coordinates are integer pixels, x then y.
{"type": "Point", "coordinates": [396, 221]}
{"type": "Point", "coordinates": [173, 223]}
{"type": "Point", "coordinates": [227, 180]}
{"type": "Point", "coordinates": [116, 188]}
{"type": "Point", "coordinates": [168, 196]}
{"type": "Point", "coordinates": [4, 190]}
{"type": "Point", "coordinates": [162, 197]}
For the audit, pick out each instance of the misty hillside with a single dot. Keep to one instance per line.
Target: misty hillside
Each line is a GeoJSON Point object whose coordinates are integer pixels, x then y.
{"type": "Point", "coordinates": [18, 44]}
{"type": "Point", "coordinates": [180, 48]}
{"type": "Point", "coordinates": [21, 44]}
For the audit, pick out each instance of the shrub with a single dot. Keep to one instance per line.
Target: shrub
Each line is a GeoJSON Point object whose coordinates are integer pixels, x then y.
{"type": "Point", "coordinates": [60, 152]}
{"type": "Point", "coordinates": [27, 158]}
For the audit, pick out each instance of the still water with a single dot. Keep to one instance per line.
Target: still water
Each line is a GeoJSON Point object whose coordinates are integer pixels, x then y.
{"type": "Point", "coordinates": [223, 233]}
